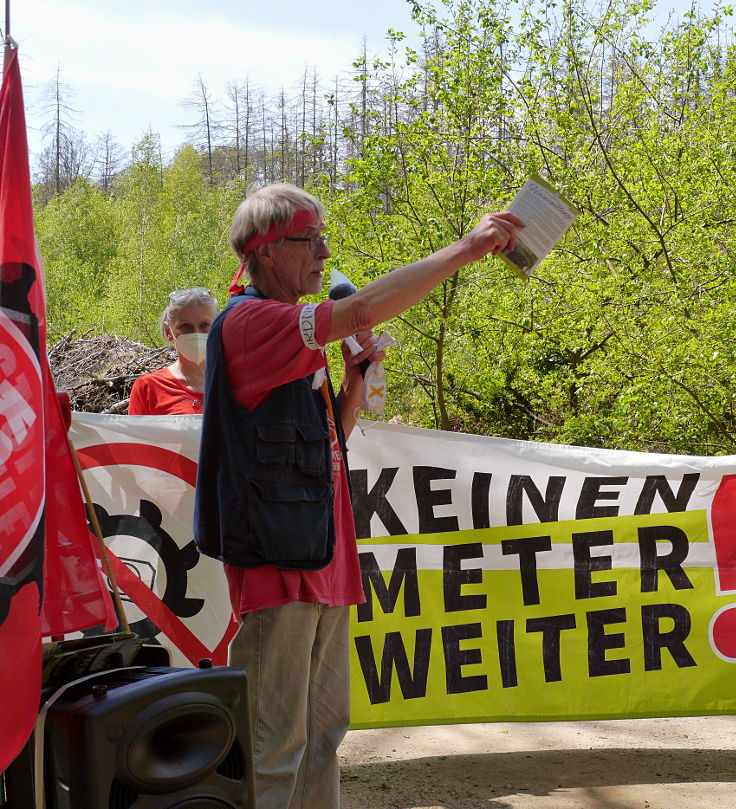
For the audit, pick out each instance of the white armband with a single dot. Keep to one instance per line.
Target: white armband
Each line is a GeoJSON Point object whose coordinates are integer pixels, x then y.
{"type": "Point", "coordinates": [308, 326]}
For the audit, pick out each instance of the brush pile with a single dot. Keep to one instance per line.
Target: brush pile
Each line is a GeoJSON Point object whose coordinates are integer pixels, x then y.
{"type": "Point", "coordinates": [98, 372]}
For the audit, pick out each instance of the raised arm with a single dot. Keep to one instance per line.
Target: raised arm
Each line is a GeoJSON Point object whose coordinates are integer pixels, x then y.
{"type": "Point", "coordinates": [399, 290]}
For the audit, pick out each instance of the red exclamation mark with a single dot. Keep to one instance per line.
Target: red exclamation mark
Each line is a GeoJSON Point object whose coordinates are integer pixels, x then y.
{"type": "Point", "coordinates": [723, 523]}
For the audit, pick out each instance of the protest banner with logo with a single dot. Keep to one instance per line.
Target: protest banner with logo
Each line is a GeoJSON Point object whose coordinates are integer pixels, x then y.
{"type": "Point", "coordinates": [504, 579]}
{"type": "Point", "coordinates": [140, 471]}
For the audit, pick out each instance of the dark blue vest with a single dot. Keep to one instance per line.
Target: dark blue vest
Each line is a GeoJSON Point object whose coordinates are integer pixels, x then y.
{"type": "Point", "coordinates": [264, 482]}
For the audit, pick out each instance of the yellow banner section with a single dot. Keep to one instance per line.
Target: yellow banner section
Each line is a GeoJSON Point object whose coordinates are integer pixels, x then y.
{"type": "Point", "coordinates": [581, 619]}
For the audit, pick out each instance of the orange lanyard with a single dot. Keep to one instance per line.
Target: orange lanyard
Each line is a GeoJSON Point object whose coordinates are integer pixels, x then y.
{"type": "Point", "coordinates": [328, 401]}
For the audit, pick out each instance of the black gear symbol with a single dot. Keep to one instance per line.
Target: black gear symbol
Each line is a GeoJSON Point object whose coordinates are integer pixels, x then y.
{"type": "Point", "coordinates": [177, 561]}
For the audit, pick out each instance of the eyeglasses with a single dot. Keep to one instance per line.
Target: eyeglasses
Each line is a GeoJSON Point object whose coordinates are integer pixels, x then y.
{"type": "Point", "coordinates": [315, 242]}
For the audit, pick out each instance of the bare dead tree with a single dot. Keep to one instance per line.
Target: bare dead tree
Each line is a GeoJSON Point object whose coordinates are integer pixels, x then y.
{"type": "Point", "coordinates": [202, 131]}
{"type": "Point", "coordinates": [238, 125]}
{"type": "Point", "coordinates": [66, 154]}
{"type": "Point", "coordinates": [108, 161]}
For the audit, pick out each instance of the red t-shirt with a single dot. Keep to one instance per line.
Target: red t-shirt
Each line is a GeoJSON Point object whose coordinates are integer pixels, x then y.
{"type": "Point", "coordinates": [162, 394]}
{"type": "Point", "coordinates": [267, 344]}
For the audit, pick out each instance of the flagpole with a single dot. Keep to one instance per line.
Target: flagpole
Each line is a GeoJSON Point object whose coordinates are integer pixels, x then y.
{"type": "Point", "coordinates": [9, 42]}
{"type": "Point", "coordinates": [98, 533]}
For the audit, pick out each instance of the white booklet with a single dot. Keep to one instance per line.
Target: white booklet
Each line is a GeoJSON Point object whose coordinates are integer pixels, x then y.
{"type": "Point", "coordinates": [547, 215]}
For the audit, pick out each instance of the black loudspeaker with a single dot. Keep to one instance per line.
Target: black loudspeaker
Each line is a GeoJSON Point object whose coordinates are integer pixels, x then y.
{"type": "Point", "coordinates": [150, 738]}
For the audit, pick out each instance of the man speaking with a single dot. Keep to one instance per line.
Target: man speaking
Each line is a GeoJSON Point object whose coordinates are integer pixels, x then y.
{"type": "Point", "coordinates": [273, 501]}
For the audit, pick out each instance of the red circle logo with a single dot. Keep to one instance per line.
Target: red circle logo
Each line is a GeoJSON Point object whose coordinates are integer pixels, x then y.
{"type": "Point", "coordinates": [21, 443]}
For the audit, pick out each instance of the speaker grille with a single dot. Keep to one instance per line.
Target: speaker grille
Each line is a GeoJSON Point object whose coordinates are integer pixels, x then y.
{"type": "Point", "coordinates": [112, 679]}
{"type": "Point", "coordinates": [233, 765]}
{"type": "Point", "coordinates": [123, 798]}
{"type": "Point", "coordinates": [120, 796]}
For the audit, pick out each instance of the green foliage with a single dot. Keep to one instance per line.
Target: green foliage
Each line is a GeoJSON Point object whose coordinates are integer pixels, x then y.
{"type": "Point", "coordinates": [111, 262]}
{"type": "Point", "coordinates": [624, 339]}
{"type": "Point", "coordinates": [78, 237]}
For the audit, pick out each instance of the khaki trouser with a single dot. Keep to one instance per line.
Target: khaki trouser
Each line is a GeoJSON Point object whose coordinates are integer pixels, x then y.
{"type": "Point", "coordinates": [296, 657]}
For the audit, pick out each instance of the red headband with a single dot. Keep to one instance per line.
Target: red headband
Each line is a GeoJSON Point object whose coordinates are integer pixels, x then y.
{"type": "Point", "coordinates": [301, 219]}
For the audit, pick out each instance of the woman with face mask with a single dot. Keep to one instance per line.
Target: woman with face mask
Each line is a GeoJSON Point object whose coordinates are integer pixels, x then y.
{"type": "Point", "coordinates": [178, 388]}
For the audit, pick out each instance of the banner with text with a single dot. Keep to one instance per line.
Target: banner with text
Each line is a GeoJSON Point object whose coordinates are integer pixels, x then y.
{"type": "Point", "coordinates": [504, 579]}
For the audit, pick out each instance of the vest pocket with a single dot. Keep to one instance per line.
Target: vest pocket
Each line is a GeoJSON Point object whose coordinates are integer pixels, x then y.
{"type": "Point", "coordinates": [302, 445]}
{"type": "Point", "coordinates": [291, 523]}
{"type": "Point", "coordinates": [310, 451]}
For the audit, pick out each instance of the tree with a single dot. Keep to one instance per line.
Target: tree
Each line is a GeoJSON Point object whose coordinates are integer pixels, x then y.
{"type": "Point", "coordinates": [107, 161]}
{"type": "Point", "coordinates": [421, 181]}
{"type": "Point", "coordinates": [66, 154]}
{"type": "Point", "coordinates": [204, 129]}
{"type": "Point", "coordinates": [79, 239]}
{"type": "Point", "coordinates": [239, 127]}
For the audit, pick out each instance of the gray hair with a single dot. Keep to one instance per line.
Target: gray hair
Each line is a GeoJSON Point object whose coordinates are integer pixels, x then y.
{"type": "Point", "coordinates": [181, 298]}
{"type": "Point", "coordinates": [271, 205]}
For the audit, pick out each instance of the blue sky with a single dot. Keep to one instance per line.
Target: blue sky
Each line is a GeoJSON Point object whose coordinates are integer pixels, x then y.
{"type": "Point", "coordinates": [132, 63]}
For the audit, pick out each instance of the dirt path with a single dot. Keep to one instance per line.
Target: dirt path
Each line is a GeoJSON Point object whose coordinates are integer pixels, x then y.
{"type": "Point", "coordinates": [640, 764]}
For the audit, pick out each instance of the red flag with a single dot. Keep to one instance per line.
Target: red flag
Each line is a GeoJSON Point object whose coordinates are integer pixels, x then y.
{"type": "Point", "coordinates": [75, 594]}
{"type": "Point", "coordinates": [40, 502]}
{"type": "Point", "coordinates": [22, 339]}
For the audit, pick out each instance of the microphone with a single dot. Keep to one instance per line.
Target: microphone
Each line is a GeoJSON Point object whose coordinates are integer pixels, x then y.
{"type": "Point", "coordinates": [342, 290]}
{"type": "Point", "coordinates": [342, 287]}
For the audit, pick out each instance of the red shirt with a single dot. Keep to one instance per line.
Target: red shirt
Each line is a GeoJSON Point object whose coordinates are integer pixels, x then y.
{"type": "Point", "coordinates": [162, 394]}
{"type": "Point", "coordinates": [264, 347]}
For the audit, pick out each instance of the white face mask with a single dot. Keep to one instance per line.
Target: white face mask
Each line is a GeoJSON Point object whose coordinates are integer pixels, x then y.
{"type": "Point", "coordinates": [192, 346]}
